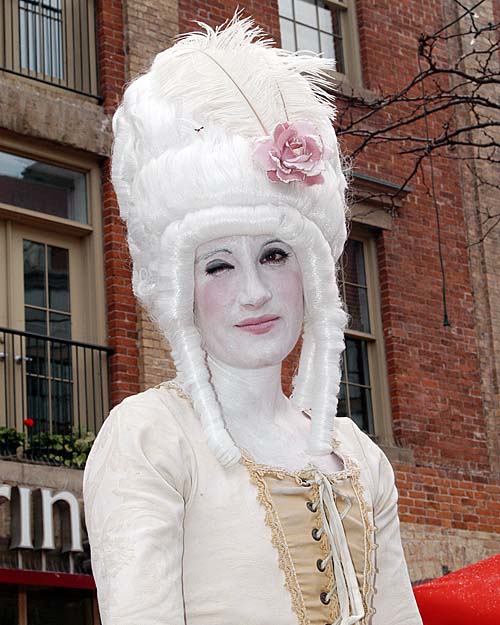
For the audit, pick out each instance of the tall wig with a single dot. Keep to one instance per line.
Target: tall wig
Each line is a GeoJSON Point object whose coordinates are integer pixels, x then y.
{"type": "Point", "coordinates": [227, 135]}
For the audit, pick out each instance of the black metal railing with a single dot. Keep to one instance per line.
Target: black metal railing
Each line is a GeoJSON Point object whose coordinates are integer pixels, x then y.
{"type": "Point", "coordinates": [54, 396]}
{"type": "Point", "coordinates": [52, 41]}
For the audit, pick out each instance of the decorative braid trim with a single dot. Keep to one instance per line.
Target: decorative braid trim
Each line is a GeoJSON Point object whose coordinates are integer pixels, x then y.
{"type": "Point", "coordinates": [369, 541]}
{"type": "Point", "coordinates": [278, 535]}
{"type": "Point", "coordinates": [174, 386]}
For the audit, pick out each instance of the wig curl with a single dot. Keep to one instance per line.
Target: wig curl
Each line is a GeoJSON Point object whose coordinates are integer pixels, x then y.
{"type": "Point", "coordinates": [184, 172]}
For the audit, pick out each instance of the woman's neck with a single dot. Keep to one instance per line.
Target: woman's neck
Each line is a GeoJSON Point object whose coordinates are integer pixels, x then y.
{"type": "Point", "coordinates": [249, 396]}
{"type": "Point", "coordinates": [261, 419]}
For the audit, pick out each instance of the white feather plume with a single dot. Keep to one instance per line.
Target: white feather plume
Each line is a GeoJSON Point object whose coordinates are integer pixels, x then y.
{"type": "Point", "coordinates": [236, 79]}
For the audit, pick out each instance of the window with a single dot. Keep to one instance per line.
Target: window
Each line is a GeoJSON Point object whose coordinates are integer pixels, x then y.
{"type": "Point", "coordinates": [40, 36]}
{"type": "Point", "coordinates": [326, 27]}
{"type": "Point", "coordinates": [363, 390]}
{"type": "Point", "coordinates": [53, 354]}
{"type": "Point", "coordinates": [42, 187]}
{"type": "Point", "coordinates": [50, 40]}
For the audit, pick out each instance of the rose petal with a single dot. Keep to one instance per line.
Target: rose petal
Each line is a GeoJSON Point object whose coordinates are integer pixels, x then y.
{"type": "Point", "coordinates": [286, 135]}
{"type": "Point", "coordinates": [314, 146]}
{"type": "Point", "coordinates": [280, 128]}
{"type": "Point", "coordinates": [271, 174]}
{"type": "Point", "coordinates": [290, 177]}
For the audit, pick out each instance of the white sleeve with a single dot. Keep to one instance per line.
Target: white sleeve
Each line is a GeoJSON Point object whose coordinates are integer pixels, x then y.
{"type": "Point", "coordinates": [135, 485]}
{"type": "Point", "coordinates": [394, 601]}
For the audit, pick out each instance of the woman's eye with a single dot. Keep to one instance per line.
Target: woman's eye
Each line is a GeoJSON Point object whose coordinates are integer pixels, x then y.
{"type": "Point", "coordinates": [274, 256]}
{"type": "Point", "coordinates": [216, 267]}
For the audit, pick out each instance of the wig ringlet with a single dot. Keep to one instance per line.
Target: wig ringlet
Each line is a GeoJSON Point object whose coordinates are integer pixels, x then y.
{"type": "Point", "coordinates": [184, 174]}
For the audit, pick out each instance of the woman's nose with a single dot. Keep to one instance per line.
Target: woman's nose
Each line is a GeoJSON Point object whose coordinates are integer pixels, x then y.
{"type": "Point", "coordinates": [254, 293]}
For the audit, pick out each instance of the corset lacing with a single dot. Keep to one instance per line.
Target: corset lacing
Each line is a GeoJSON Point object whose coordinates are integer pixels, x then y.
{"type": "Point", "coordinates": [346, 583]}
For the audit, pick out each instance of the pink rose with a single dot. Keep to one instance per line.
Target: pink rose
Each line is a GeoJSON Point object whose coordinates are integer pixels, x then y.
{"type": "Point", "coordinates": [295, 152]}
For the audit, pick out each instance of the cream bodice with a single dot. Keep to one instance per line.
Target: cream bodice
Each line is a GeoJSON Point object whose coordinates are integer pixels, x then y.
{"type": "Point", "coordinates": [176, 539]}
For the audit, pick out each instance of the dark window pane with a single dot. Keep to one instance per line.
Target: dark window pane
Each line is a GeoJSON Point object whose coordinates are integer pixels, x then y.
{"type": "Point", "coordinates": [35, 320]}
{"type": "Point", "coordinates": [305, 12]}
{"type": "Point", "coordinates": [62, 407]}
{"type": "Point", "coordinates": [342, 410]}
{"type": "Point", "coordinates": [8, 605]}
{"type": "Point", "coordinates": [59, 606]}
{"type": "Point", "coordinates": [60, 326]}
{"type": "Point", "coordinates": [354, 263]}
{"type": "Point", "coordinates": [287, 35]}
{"type": "Point", "coordinates": [307, 38]}
{"type": "Point", "coordinates": [37, 353]}
{"type": "Point", "coordinates": [343, 365]}
{"type": "Point", "coordinates": [34, 273]}
{"type": "Point", "coordinates": [325, 18]}
{"type": "Point", "coordinates": [58, 260]}
{"type": "Point", "coordinates": [337, 21]}
{"type": "Point", "coordinates": [357, 362]}
{"type": "Point", "coordinates": [38, 402]}
{"type": "Point", "coordinates": [338, 41]}
{"type": "Point", "coordinates": [339, 55]}
{"type": "Point", "coordinates": [42, 187]}
{"type": "Point", "coordinates": [60, 361]}
{"type": "Point", "coordinates": [361, 408]}
{"type": "Point", "coordinates": [285, 8]}
{"type": "Point", "coordinates": [356, 300]}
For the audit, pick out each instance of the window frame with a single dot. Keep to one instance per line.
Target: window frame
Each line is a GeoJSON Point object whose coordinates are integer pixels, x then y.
{"type": "Point", "coordinates": [78, 75]}
{"type": "Point", "coordinates": [90, 234]}
{"type": "Point", "coordinates": [377, 363]}
{"type": "Point", "coordinates": [350, 42]}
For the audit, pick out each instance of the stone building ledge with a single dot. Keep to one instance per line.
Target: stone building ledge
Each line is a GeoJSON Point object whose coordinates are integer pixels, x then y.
{"type": "Point", "coordinates": [48, 112]}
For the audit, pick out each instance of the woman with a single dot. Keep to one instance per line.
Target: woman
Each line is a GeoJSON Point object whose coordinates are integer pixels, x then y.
{"type": "Point", "coordinates": [214, 499]}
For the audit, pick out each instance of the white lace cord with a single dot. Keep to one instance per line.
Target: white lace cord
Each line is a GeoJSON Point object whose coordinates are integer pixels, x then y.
{"type": "Point", "coordinates": [344, 573]}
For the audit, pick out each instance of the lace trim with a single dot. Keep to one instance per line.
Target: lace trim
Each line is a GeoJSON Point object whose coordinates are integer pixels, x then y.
{"type": "Point", "coordinates": [300, 476]}
{"type": "Point", "coordinates": [278, 535]}
{"type": "Point", "coordinates": [370, 546]}
{"type": "Point", "coordinates": [174, 386]}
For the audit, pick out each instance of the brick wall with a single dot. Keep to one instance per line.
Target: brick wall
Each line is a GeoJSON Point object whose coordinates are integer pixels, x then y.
{"type": "Point", "coordinates": [121, 306]}
{"type": "Point", "coordinates": [149, 27]}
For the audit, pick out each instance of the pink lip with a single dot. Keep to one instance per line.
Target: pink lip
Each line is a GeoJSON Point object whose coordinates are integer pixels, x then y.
{"type": "Point", "coordinates": [258, 325]}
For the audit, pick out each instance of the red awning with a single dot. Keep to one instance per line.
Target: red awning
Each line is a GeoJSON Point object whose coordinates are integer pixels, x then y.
{"type": "Point", "coordinates": [470, 596]}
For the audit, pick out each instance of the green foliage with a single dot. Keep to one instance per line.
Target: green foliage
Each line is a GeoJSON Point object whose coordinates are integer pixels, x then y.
{"type": "Point", "coordinates": [10, 439]}
{"type": "Point", "coordinates": [70, 450]}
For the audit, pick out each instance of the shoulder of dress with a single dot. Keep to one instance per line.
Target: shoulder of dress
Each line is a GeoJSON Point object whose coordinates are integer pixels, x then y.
{"type": "Point", "coordinates": [355, 444]}
{"type": "Point", "coordinates": [147, 432]}
{"type": "Point", "coordinates": [161, 406]}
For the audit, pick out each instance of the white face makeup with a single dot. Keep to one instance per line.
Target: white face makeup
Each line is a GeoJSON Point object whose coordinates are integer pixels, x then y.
{"type": "Point", "coordinates": [248, 300]}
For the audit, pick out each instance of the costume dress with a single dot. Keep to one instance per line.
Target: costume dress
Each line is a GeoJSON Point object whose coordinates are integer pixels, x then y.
{"type": "Point", "coordinates": [179, 540]}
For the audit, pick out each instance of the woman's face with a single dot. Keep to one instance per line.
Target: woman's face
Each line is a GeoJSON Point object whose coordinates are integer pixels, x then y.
{"type": "Point", "coordinates": [248, 300]}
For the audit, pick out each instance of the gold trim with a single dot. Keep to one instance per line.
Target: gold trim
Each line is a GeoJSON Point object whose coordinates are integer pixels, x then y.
{"type": "Point", "coordinates": [174, 386]}
{"type": "Point", "coordinates": [278, 535]}
{"type": "Point", "coordinates": [370, 547]}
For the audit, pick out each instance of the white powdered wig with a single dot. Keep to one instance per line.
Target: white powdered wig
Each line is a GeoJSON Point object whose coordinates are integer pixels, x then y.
{"type": "Point", "coordinates": [185, 173]}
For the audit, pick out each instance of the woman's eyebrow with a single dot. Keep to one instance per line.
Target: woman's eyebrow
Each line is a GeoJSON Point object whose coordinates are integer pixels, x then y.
{"type": "Point", "coordinates": [273, 241]}
{"type": "Point", "coordinates": [208, 254]}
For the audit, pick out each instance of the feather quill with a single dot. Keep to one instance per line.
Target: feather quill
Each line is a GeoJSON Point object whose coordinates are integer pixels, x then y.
{"type": "Point", "coordinates": [235, 78]}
